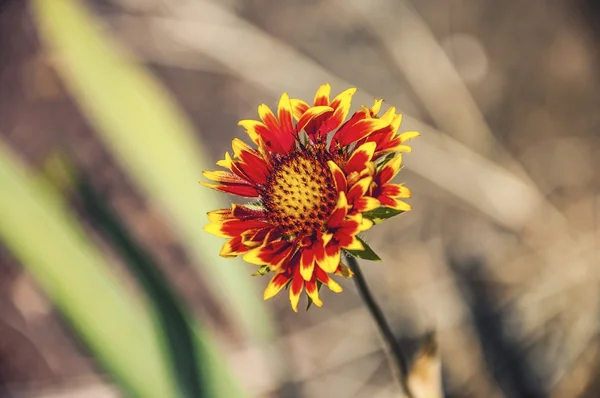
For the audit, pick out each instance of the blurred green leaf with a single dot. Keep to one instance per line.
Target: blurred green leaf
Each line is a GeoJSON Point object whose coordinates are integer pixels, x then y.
{"type": "Point", "coordinates": [172, 316]}
{"type": "Point", "coordinates": [153, 141]}
{"type": "Point", "coordinates": [381, 214]}
{"type": "Point", "coordinates": [193, 358]}
{"type": "Point", "coordinates": [367, 254]}
{"type": "Point", "coordinates": [51, 244]}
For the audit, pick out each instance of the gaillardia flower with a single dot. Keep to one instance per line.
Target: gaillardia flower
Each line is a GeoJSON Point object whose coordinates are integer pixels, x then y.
{"type": "Point", "coordinates": [317, 182]}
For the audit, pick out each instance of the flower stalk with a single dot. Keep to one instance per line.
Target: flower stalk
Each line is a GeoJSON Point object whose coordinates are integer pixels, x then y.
{"type": "Point", "coordinates": [397, 356]}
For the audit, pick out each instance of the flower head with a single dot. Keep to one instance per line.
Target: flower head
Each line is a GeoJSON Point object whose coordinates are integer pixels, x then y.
{"type": "Point", "coordinates": [317, 181]}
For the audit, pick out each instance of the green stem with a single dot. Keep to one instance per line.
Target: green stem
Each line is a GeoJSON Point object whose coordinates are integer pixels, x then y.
{"type": "Point", "coordinates": [397, 355]}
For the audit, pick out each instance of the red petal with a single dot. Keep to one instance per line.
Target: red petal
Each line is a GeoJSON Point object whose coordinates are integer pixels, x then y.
{"type": "Point", "coordinates": [284, 112]}
{"type": "Point", "coordinates": [359, 189]}
{"type": "Point", "coordinates": [322, 95]}
{"type": "Point", "coordinates": [275, 285]}
{"type": "Point", "coordinates": [360, 157]}
{"type": "Point", "coordinates": [338, 176]}
{"type": "Point", "coordinates": [337, 137]}
{"type": "Point", "coordinates": [273, 253]}
{"type": "Point", "coordinates": [299, 107]}
{"type": "Point", "coordinates": [310, 115]}
{"type": "Point", "coordinates": [313, 291]}
{"type": "Point", "coordinates": [366, 203]}
{"type": "Point", "coordinates": [296, 286]}
{"type": "Point", "coordinates": [233, 248]}
{"type": "Point", "coordinates": [326, 280]}
{"type": "Point", "coordinates": [246, 191]}
{"type": "Point", "coordinates": [307, 263]}
{"type": "Point", "coordinates": [242, 212]}
{"type": "Point", "coordinates": [235, 228]}
{"type": "Point", "coordinates": [385, 201]}
{"type": "Point", "coordinates": [224, 177]}
{"type": "Point", "coordinates": [360, 129]}
{"type": "Point", "coordinates": [339, 212]}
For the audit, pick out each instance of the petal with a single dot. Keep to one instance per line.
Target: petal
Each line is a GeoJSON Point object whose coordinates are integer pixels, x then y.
{"type": "Point", "coordinates": [268, 117]}
{"type": "Point", "coordinates": [359, 130]}
{"type": "Point", "coordinates": [233, 248]}
{"type": "Point", "coordinates": [365, 203]}
{"type": "Point", "coordinates": [242, 212]}
{"type": "Point", "coordinates": [226, 163]}
{"type": "Point", "coordinates": [275, 139]}
{"type": "Point", "coordinates": [359, 189]}
{"type": "Point", "coordinates": [341, 104]}
{"type": "Point", "coordinates": [396, 123]}
{"type": "Point", "coordinates": [313, 292]}
{"type": "Point", "coordinates": [296, 288]}
{"type": "Point", "coordinates": [332, 258]}
{"type": "Point", "coordinates": [254, 167]}
{"type": "Point", "coordinates": [272, 253]}
{"type": "Point", "coordinates": [365, 224]}
{"type": "Point", "coordinates": [254, 129]}
{"type": "Point", "coordinates": [252, 239]}
{"type": "Point", "coordinates": [307, 264]}
{"type": "Point", "coordinates": [240, 146]}
{"type": "Point", "coordinates": [284, 113]}
{"type": "Point", "coordinates": [400, 205]}
{"type": "Point", "coordinates": [408, 136]}
{"type": "Point", "coordinates": [389, 170]}
{"type": "Point", "coordinates": [234, 227]}
{"type": "Point", "coordinates": [395, 191]}
{"type": "Point", "coordinates": [354, 245]}
{"type": "Point", "coordinates": [339, 212]}
{"type": "Point", "coordinates": [220, 216]}
{"type": "Point", "coordinates": [299, 107]}
{"type": "Point", "coordinates": [319, 247]}
{"type": "Point", "coordinates": [394, 148]}
{"type": "Point", "coordinates": [360, 157]}
{"type": "Point", "coordinates": [327, 280]}
{"type": "Point", "coordinates": [246, 191]}
{"type": "Point", "coordinates": [224, 177]}
{"type": "Point", "coordinates": [390, 115]}
{"type": "Point", "coordinates": [338, 176]}
{"type": "Point", "coordinates": [376, 107]}
{"type": "Point", "coordinates": [343, 101]}
{"type": "Point", "coordinates": [348, 229]}
{"type": "Point", "coordinates": [275, 285]}
{"type": "Point", "coordinates": [310, 114]}
{"type": "Point", "coordinates": [387, 202]}
{"type": "Point", "coordinates": [322, 95]}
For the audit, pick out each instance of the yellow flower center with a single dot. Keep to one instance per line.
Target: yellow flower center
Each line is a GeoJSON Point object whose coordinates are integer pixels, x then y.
{"type": "Point", "coordinates": [300, 193]}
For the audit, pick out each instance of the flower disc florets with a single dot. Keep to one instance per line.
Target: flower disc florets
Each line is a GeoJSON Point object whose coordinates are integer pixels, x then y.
{"type": "Point", "coordinates": [297, 195]}
{"type": "Point", "coordinates": [317, 182]}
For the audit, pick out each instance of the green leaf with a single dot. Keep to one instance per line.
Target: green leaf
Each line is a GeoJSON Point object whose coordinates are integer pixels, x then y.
{"type": "Point", "coordinates": [381, 214]}
{"type": "Point", "coordinates": [310, 301]}
{"type": "Point", "coordinates": [367, 254]}
{"type": "Point", "coordinates": [153, 141]}
{"type": "Point", "coordinates": [51, 244]}
{"type": "Point", "coordinates": [170, 312]}
{"type": "Point", "coordinates": [263, 270]}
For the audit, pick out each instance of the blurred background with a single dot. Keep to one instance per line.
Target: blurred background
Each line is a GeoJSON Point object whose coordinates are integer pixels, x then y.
{"type": "Point", "coordinates": [110, 110]}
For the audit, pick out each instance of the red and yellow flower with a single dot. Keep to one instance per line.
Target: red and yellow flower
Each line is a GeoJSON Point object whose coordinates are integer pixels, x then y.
{"type": "Point", "coordinates": [317, 182]}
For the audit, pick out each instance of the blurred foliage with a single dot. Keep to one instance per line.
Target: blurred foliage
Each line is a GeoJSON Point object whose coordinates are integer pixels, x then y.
{"type": "Point", "coordinates": [171, 315]}
{"type": "Point", "coordinates": [37, 227]}
{"type": "Point", "coordinates": [153, 141]}
{"type": "Point", "coordinates": [156, 145]}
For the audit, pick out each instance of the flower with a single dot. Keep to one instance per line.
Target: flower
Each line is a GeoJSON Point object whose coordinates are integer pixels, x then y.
{"type": "Point", "coordinates": [317, 182]}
